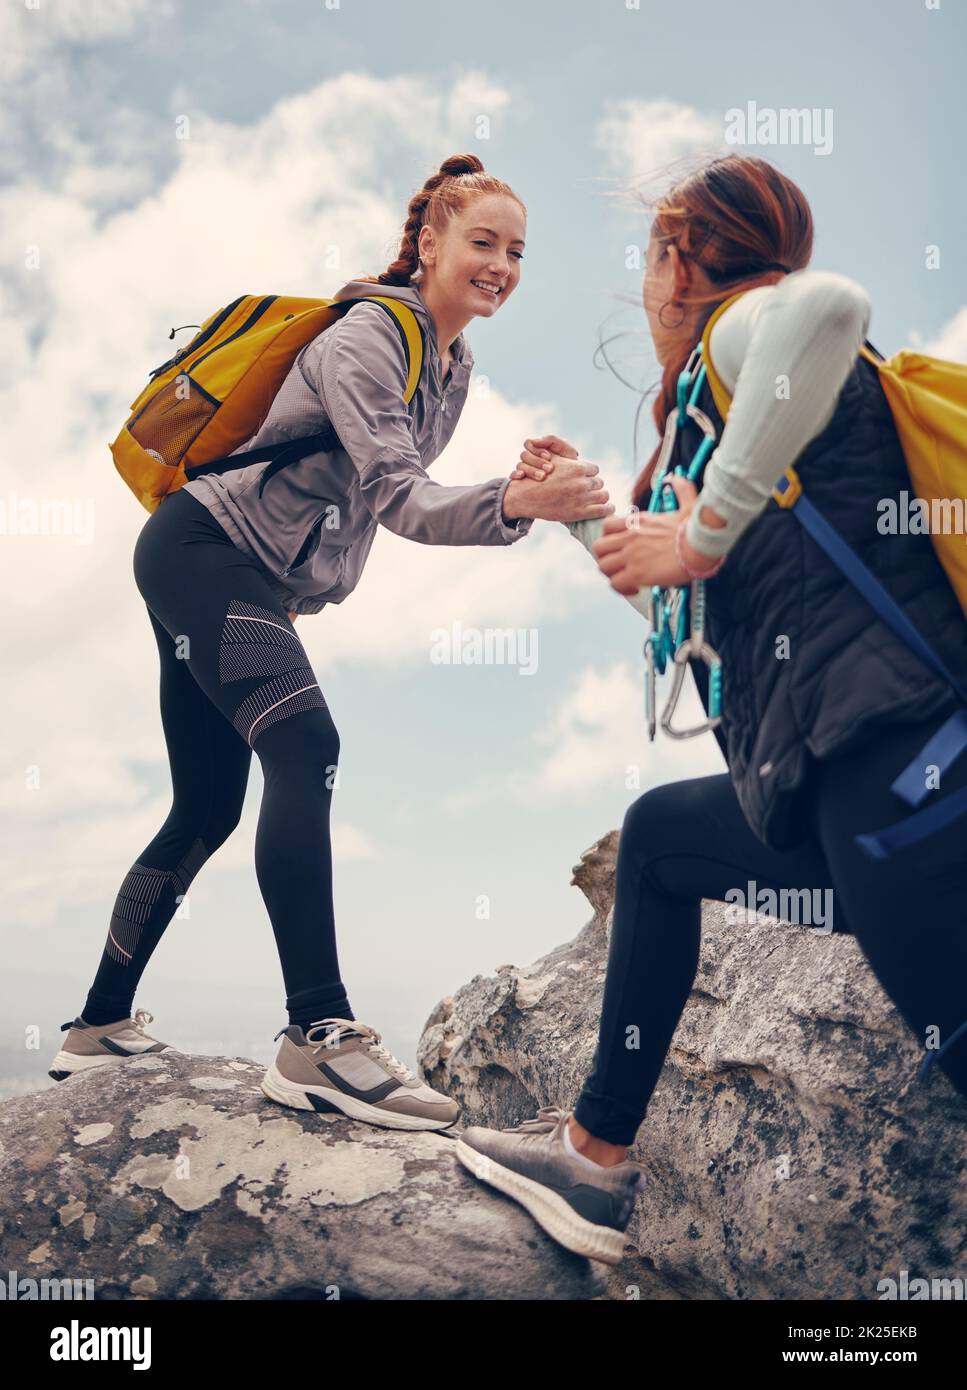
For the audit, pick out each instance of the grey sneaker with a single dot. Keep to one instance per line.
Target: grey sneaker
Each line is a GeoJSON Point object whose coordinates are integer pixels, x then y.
{"type": "Point", "coordinates": [340, 1064]}
{"type": "Point", "coordinates": [100, 1044]}
{"type": "Point", "coordinates": [586, 1210]}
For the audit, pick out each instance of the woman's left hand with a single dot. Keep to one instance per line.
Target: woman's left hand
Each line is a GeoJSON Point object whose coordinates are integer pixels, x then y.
{"type": "Point", "coordinates": [536, 466]}
{"type": "Point", "coordinates": [537, 456]}
{"type": "Point", "coordinates": [639, 550]}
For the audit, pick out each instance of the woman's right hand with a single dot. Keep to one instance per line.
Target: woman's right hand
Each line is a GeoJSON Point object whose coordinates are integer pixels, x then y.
{"type": "Point", "coordinates": [572, 492]}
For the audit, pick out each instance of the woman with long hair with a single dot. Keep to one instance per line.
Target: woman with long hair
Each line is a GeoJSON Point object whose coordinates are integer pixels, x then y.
{"type": "Point", "coordinates": [225, 564]}
{"type": "Point", "coordinates": [823, 704]}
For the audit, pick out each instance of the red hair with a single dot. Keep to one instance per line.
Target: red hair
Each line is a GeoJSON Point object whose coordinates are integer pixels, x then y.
{"type": "Point", "coordinates": [745, 224]}
{"type": "Point", "coordinates": [459, 179]}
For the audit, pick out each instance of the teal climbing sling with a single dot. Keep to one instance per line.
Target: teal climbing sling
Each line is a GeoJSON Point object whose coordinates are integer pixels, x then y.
{"type": "Point", "coordinates": [678, 611]}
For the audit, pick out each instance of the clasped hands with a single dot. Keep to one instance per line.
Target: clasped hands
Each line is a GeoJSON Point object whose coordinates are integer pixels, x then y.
{"type": "Point", "coordinates": [635, 550]}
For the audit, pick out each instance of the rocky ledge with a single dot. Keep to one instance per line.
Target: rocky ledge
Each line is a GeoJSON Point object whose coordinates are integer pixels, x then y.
{"type": "Point", "coordinates": [791, 1152]}
{"type": "Point", "coordinates": [171, 1176]}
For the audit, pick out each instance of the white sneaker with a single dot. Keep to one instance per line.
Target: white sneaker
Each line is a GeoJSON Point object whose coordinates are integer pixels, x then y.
{"type": "Point", "coordinates": [340, 1064]}
{"type": "Point", "coordinates": [99, 1044]}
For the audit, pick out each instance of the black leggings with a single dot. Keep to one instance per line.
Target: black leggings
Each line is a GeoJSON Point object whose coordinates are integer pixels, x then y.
{"type": "Point", "coordinates": [234, 677]}
{"type": "Point", "coordinates": [689, 840]}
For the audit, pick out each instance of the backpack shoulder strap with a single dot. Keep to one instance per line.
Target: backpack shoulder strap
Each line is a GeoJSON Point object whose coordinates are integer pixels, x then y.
{"type": "Point", "coordinates": [411, 335]}
{"type": "Point", "coordinates": [720, 395]}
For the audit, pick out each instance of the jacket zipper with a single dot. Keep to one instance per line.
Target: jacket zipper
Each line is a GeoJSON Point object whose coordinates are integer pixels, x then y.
{"type": "Point", "coordinates": [345, 554]}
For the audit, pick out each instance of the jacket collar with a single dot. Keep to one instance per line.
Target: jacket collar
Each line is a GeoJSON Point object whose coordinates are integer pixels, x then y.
{"type": "Point", "coordinates": [410, 295]}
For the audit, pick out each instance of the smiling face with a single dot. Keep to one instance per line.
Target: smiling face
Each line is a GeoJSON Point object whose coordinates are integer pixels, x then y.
{"type": "Point", "coordinates": [474, 264]}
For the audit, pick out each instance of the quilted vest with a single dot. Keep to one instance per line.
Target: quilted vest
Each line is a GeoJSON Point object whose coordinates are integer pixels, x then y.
{"type": "Point", "coordinates": [809, 669]}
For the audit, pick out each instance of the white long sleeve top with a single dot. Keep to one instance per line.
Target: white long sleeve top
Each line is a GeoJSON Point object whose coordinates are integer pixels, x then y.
{"type": "Point", "coordinates": [783, 352]}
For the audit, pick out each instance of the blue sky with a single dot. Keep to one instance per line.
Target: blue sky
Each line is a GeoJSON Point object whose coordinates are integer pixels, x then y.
{"type": "Point", "coordinates": [310, 127]}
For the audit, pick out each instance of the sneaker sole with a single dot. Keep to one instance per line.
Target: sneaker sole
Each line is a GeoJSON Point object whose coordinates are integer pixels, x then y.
{"type": "Point", "coordinates": [322, 1099]}
{"type": "Point", "coordinates": [70, 1063]}
{"type": "Point", "coordinates": [548, 1209]}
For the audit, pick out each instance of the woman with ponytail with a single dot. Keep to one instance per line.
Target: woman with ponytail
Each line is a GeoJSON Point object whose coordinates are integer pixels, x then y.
{"type": "Point", "coordinates": [823, 704]}
{"type": "Point", "coordinates": [226, 564]}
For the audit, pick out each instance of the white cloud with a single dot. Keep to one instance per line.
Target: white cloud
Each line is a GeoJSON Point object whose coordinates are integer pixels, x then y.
{"type": "Point", "coordinates": [474, 95]}
{"type": "Point", "coordinates": [598, 732]}
{"type": "Point", "coordinates": [951, 341]}
{"type": "Point", "coordinates": [597, 740]}
{"type": "Point", "coordinates": [641, 139]}
{"type": "Point", "coordinates": [29, 32]}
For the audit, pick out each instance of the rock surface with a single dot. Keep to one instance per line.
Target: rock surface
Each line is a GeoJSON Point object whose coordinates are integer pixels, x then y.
{"type": "Point", "coordinates": [792, 1153]}
{"type": "Point", "coordinates": [171, 1176]}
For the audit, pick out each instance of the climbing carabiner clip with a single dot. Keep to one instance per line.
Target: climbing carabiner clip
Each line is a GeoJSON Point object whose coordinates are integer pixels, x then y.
{"type": "Point", "coordinates": [650, 688]}
{"type": "Point", "coordinates": [714, 663]}
{"type": "Point", "coordinates": [685, 385]}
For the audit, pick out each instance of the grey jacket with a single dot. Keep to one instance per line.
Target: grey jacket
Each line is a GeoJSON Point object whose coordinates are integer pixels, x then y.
{"type": "Point", "coordinates": [314, 524]}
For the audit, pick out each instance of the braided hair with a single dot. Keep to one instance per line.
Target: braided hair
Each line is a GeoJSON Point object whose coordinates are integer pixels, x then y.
{"type": "Point", "coordinates": [448, 191]}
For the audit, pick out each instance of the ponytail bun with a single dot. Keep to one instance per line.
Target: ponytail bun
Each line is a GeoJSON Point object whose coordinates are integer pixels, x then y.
{"type": "Point", "coordinates": [459, 164]}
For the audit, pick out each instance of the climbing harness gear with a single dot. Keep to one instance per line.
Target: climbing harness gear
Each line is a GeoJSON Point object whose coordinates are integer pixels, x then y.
{"type": "Point", "coordinates": [678, 611]}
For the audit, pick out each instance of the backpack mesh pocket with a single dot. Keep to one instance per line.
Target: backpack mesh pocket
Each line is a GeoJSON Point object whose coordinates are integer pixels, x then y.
{"type": "Point", "coordinates": [173, 419]}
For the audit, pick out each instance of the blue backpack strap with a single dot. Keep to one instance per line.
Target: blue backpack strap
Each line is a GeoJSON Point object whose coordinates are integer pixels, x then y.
{"type": "Point", "coordinates": [940, 751]}
{"type": "Point", "coordinates": [947, 744]}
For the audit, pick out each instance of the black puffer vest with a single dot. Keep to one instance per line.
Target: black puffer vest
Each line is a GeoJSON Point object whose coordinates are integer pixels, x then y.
{"type": "Point", "coordinates": [847, 677]}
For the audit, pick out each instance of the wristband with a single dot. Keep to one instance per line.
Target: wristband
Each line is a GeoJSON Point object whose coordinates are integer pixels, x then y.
{"type": "Point", "coordinates": [693, 574]}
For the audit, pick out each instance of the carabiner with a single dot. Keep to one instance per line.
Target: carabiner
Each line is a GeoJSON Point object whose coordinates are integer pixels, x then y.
{"type": "Point", "coordinates": [714, 662]}
{"type": "Point", "coordinates": [650, 688]}
{"type": "Point", "coordinates": [678, 611]}
{"type": "Point", "coordinates": [685, 384]}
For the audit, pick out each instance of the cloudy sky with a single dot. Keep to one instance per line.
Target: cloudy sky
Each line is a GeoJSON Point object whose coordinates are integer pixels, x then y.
{"type": "Point", "coordinates": [159, 159]}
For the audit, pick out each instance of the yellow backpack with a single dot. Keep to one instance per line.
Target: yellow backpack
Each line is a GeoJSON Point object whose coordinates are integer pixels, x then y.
{"type": "Point", "coordinates": [928, 400]}
{"type": "Point", "coordinates": [216, 391]}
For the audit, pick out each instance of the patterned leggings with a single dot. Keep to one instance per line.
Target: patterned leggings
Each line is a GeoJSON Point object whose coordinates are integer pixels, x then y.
{"type": "Point", "coordinates": [234, 677]}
